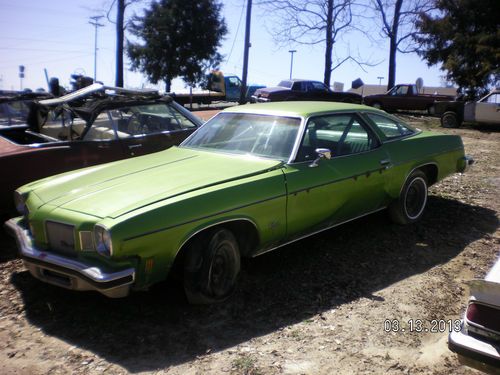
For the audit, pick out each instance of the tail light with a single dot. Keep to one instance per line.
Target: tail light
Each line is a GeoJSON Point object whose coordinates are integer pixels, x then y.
{"type": "Point", "coordinates": [483, 316]}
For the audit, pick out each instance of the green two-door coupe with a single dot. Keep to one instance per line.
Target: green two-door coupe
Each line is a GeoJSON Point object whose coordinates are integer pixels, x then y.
{"type": "Point", "coordinates": [250, 180]}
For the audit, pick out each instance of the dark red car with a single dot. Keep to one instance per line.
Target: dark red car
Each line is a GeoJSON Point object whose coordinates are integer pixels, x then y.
{"type": "Point", "coordinates": [302, 89]}
{"type": "Point", "coordinates": [95, 125]}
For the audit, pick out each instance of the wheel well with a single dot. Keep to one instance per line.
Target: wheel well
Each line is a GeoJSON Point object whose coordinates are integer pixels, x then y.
{"type": "Point", "coordinates": [245, 232]}
{"type": "Point", "coordinates": [431, 171]}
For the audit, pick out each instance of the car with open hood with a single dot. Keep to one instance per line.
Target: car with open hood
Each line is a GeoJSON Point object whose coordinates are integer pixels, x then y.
{"type": "Point", "coordinates": [252, 179]}
{"type": "Point", "coordinates": [94, 125]}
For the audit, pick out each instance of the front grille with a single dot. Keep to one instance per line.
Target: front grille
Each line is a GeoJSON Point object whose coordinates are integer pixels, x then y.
{"type": "Point", "coordinates": [61, 237]}
{"type": "Point", "coordinates": [86, 241]}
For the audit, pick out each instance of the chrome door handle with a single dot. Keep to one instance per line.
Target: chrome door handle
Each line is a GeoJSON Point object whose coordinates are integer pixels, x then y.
{"type": "Point", "coordinates": [386, 163]}
{"type": "Point", "coordinates": [134, 146]}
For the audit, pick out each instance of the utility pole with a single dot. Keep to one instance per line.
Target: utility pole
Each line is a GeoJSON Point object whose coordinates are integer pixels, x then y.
{"type": "Point", "coordinates": [96, 24]}
{"type": "Point", "coordinates": [21, 76]}
{"type": "Point", "coordinates": [292, 51]}
{"type": "Point", "coordinates": [380, 80]}
{"type": "Point", "coordinates": [245, 54]}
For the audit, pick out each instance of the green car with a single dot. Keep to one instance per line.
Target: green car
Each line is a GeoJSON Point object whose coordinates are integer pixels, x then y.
{"type": "Point", "coordinates": [250, 180]}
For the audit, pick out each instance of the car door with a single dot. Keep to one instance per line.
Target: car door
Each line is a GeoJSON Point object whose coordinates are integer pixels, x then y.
{"type": "Point", "coordinates": [488, 109]}
{"type": "Point", "coordinates": [348, 185]}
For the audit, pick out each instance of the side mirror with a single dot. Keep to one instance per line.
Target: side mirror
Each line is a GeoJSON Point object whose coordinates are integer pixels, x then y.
{"type": "Point", "coordinates": [323, 153]}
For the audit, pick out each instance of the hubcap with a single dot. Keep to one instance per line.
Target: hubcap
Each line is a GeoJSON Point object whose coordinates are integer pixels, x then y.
{"type": "Point", "coordinates": [221, 275]}
{"type": "Point", "coordinates": [416, 198]}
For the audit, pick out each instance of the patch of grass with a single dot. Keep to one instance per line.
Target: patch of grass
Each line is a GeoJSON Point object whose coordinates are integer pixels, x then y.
{"type": "Point", "coordinates": [245, 365]}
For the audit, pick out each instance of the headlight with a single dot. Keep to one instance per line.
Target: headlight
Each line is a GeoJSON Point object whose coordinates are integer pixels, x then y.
{"type": "Point", "coordinates": [103, 241]}
{"type": "Point", "coordinates": [20, 203]}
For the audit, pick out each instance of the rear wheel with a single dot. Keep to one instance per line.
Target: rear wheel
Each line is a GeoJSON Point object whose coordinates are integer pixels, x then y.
{"type": "Point", "coordinates": [450, 120]}
{"type": "Point", "coordinates": [211, 267]}
{"type": "Point", "coordinates": [410, 206]}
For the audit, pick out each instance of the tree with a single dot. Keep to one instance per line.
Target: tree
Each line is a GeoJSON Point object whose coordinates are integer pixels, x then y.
{"type": "Point", "coordinates": [398, 25]}
{"type": "Point", "coordinates": [120, 26]}
{"type": "Point", "coordinates": [465, 38]}
{"type": "Point", "coordinates": [314, 22]}
{"type": "Point", "coordinates": [178, 38]}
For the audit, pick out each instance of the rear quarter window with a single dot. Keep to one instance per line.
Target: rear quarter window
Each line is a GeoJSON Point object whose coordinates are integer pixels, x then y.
{"type": "Point", "coordinates": [389, 127]}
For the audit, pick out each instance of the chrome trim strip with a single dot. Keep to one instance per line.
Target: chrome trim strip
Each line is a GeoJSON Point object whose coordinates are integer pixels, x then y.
{"type": "Point", "coordinates": [354, 176]}
{"type": "Point", "coordinates": [30, 252]}
{"type": "Point", "coordinates": [317, 231]}
{"type": "Point", "coordinates": [203, 217]}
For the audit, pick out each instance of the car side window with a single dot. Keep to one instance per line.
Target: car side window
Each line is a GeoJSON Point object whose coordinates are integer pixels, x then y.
{"type": "Point", "coordinates": [341, 134]}
{"type": "Point", "coordinates": [390, 128]}
{"type": "Point", "coordinates": [319, 86]}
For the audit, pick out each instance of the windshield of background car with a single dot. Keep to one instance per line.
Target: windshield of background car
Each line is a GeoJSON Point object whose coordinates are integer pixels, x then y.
{"type": "Point", "coordinates": [287, 84]}
{"type": "Point", "coordinates": [13, 113]}
{"type": "Point", "coordinates": [137, 120]}
{"type": "Point", "coordinates": [245, 133]}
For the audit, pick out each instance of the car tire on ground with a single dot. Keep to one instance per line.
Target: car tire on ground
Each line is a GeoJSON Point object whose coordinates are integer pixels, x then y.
{"type": "Point", "coordinates": [211, 267]}
{"type": "Point", "coordinates": [449, 119]}
{"type": "Point", "coordinates": [411, 203]}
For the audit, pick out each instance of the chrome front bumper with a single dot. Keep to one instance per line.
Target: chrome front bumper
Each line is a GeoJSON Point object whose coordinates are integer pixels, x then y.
{"type": "Point", "coordinates": [66, 272]}
{"type": "Point", "coordinates": [475, 353]}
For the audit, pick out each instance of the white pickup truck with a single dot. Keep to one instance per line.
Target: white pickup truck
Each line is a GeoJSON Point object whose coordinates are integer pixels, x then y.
{"type": "Point", "coordinates": [484, 111]}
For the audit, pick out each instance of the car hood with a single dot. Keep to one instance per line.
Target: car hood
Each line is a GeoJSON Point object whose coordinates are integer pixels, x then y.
{"type": "Point", "coordinates": [114, 189]}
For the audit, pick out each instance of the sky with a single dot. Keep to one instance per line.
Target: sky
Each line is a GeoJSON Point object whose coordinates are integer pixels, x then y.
{"type": "Point", "coordinates": [56, 35]}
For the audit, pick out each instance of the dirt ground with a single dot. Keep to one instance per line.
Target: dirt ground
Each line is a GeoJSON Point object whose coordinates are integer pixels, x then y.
{"type": "Point", "coordinates": [317, 306]}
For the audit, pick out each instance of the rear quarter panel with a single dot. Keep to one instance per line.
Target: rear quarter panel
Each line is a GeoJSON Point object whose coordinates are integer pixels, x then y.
{"type": "Point", "coordinates": [446, 152]}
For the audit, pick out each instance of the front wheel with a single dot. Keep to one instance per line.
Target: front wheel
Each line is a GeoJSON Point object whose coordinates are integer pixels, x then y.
{"type": "Point", "coordinates": [450, 120]}
{"type": "Point", "coordinates": [410, 206]}
{"type": "Point", "coordinates": [211, 267]}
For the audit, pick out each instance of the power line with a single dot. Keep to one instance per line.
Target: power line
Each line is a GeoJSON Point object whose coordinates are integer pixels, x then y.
{"type": "Point", "coordinates": [38, 49]}
{"type": "Point", "coordinates": [237, 30]}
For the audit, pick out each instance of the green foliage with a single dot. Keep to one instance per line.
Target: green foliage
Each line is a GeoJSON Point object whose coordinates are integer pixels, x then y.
{"type": "Point", "coordinates": [178, 38]}
{"type": "Point", "coordinates": [465, 39]}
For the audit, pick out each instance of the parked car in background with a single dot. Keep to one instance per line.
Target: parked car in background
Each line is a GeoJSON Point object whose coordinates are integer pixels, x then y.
{"type": "Point", "coordinates": [405, 97]}
{"type": "Point", "coordinates": [220, 88]}
{"type": "Point", "coordinates": [14, 106]}
{"type": "Point", "coordinates": [250, 180]}
{"type": "Point", "coordinates": [301, 89]}
{"type": "Point", "coordinates": [484, 111]}
{"type": "Point", "coordinates": [91, 126]}
{"type": "Point", "coordinates": [478, 342]}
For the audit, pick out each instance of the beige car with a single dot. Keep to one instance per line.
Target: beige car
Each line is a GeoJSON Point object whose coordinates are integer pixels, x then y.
{"type": "Point", "coordinates": [486, 110]}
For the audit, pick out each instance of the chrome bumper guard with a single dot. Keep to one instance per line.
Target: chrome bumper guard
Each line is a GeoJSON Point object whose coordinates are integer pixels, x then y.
{"type": "Point", "coordinates": [468, 162]}
{"type": "Point", "coordinates": [473, 352]}
{"type": "Point", "coordinates": [65, 272]}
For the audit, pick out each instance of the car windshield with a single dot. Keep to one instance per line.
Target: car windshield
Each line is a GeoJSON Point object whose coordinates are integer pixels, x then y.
{"type": "Point", "coordinates": [13, 112]}
{"type": "Point", "coordinates": [287, 84]}
{"type": "Point", "coordinates": [245, 133]}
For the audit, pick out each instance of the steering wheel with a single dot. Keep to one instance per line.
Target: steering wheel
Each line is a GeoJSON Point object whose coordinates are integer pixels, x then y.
{"type": "Point", "coordinates": [136, 126]}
